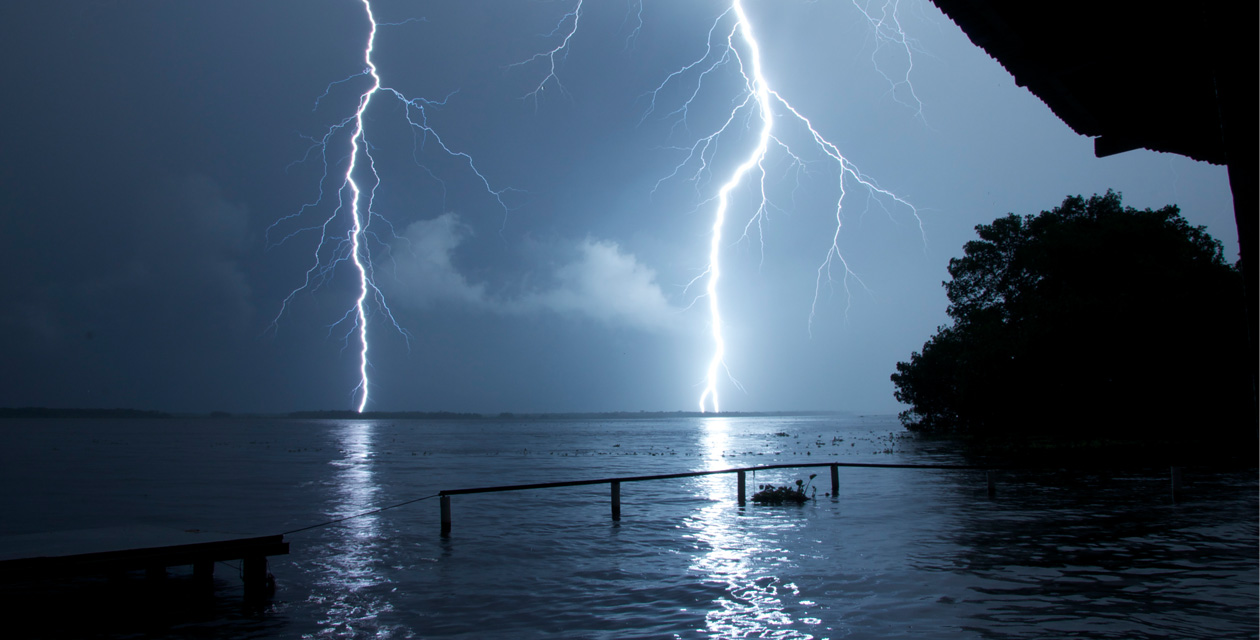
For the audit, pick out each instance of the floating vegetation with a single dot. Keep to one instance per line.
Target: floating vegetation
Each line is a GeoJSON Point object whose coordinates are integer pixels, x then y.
{"type": "Point", "coordinates": [787, 494]}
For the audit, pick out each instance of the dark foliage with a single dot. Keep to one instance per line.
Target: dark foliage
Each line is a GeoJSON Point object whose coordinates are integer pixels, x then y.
{"type": "Point", "coordinates": [1089, 319]}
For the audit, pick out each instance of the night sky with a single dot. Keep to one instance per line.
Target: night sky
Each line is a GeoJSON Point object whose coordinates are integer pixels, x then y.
{"type": "Point", "coordinates": [149, 146]}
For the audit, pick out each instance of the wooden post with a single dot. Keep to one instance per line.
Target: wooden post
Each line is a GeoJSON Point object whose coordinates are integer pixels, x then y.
{"type": "Point", "coordinates": [254, 574]}
{"type": "Point", "coordinates": [446, 515]}
{"type": "Point", "coordinates": [991, 481]}
{"type": "Point", "coordinates": [743, 487]}
{"type": "Point", "coordinates": [203, 574]}
{"type": "Point", "coordinates": [835, 480]}
{"type": "Point", "coordinates": [1176, 483]}
{"type": "Point", "coordinates": [616, 499]}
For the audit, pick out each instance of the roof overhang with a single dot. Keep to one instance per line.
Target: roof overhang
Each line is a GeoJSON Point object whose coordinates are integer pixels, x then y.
{"type": "Point", "coordinates": [1165, 77]}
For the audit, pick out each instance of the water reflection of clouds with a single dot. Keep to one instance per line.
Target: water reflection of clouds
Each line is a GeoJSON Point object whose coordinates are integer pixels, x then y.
{"type": "Point", "coordinates": [349, 567]}
{"type": "Point", "coordinates": [739, 555]}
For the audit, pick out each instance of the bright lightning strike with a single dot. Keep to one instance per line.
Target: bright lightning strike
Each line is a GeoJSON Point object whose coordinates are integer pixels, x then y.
{"type": "Point", "coordinates": [355, 212]}
{"type": "Point", "coordinates": [346, 234]}
{"type": "Point", "coordinates": [758, 105]}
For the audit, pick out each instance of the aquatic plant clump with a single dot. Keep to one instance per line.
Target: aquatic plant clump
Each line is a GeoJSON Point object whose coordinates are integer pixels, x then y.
{"type": "Point", "coordinates": [787, 494]}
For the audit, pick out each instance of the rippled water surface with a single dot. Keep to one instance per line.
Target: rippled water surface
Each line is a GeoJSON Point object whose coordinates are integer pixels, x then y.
{"type": "Point", "coordinates": [899, 553]}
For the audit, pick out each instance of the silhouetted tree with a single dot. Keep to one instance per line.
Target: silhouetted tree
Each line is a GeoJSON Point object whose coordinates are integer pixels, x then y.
{"type": "Point", "coordinates": [1091, 318]}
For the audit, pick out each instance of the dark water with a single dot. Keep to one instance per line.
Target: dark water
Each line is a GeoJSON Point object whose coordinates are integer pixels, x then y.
{"type": "Point", "coordinates": [899, 553]}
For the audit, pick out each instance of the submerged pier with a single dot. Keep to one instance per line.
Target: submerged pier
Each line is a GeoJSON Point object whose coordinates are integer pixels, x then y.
{"type": "Point", "coordinates": [741, 473]}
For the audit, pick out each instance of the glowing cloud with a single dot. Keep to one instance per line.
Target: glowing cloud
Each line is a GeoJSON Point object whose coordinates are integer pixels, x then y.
{"type": "Point", "coordinates": [601, 282]}
{"type": "Point", "coordinates": [608, 285]}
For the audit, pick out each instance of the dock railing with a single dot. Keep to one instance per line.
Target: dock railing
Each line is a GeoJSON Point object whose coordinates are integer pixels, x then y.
{"type": "Point", "coordinates": [741, 491]}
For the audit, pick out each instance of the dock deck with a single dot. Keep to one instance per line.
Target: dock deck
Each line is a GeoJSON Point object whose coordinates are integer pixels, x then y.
{"type": "Point", "coordinates": [64, 554]}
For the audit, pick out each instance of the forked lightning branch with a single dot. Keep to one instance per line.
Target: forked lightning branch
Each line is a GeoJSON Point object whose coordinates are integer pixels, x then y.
{"type": "Point", "coordinates": [346, 234]}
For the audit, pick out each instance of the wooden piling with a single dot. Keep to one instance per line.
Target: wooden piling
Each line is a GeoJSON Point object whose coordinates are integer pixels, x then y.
{"type": "Point", "coordinates": [156, 574]}
{"type": "Point", "coordinates": [203, 574]}
{"type": "Point", "coordinates": [446, 514]}
{"type": "Point", "coordinates": [835, 480]}
{"type": "Point", "coordinates": [254, 575]}
{"type": "Point", "coordinates": [743, 486]}
{"type": "Point", "coordinates": [615, 490]}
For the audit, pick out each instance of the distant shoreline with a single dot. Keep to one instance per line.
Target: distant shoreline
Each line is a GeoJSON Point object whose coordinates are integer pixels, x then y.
{"type": "Point", "coordinates": [48, 412]}
{"type": "Point", "coordinates": [576, 415]}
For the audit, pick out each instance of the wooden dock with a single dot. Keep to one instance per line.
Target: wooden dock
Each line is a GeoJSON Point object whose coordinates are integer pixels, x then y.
{"type": "Point", "coordinates": [63, 555]}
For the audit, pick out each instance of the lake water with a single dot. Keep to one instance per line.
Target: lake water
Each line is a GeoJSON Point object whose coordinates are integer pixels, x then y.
{"type": "Point", "coordinates": [899, 553]}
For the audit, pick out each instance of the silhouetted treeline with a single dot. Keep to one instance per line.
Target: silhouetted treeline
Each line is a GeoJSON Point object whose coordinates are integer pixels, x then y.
{"type": "Point", "coordinates": [1088, 321]}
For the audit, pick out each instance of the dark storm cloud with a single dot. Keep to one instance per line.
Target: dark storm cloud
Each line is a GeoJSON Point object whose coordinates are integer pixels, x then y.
{"type": "Point", "coordinates": [154, 283]}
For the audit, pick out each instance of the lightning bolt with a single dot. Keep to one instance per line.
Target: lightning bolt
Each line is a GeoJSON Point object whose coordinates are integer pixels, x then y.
{"type": "Point", "coordinates": [761, 104]}
{"type": "Point", "coordinates": [566, 27]}
{"type": "Point", "coordinates": [346, 234]}
{"type": "Point", "coordinates": [636, 8]}
{"type": "Point", "coordinates": [886, 26]}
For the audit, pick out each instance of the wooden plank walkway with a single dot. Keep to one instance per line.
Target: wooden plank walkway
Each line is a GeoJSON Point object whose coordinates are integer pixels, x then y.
{"type": "Point", "coordinates": [66, 554]}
